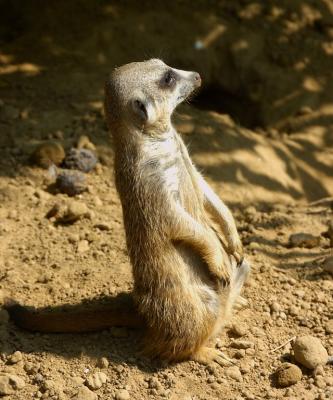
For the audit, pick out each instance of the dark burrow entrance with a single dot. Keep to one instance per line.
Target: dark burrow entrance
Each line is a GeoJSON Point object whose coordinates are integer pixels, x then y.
{"type": "Point", "coordinates": [242, 110]}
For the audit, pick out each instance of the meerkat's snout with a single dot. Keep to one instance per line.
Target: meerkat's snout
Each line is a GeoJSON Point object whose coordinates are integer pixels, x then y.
{"type": "Point", "coordinates": [197, 79]}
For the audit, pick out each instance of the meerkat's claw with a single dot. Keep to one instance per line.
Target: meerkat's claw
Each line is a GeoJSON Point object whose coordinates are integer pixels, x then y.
{"type": "Point", "coordinates": [208, 355]}
{"type": "Point", "coordinates": [240, 303]}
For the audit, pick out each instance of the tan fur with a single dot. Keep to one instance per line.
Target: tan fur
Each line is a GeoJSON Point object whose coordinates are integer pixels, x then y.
{"type": "Point", "coordinates": [182, 240]}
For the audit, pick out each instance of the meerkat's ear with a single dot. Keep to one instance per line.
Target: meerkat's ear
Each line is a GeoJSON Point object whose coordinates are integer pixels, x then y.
{"type": "Point", "coordinates": [143, 109]}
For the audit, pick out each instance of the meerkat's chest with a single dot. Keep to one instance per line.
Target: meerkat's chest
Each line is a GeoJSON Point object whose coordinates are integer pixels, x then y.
{"type": "Point", "coordinates": [169, 170]}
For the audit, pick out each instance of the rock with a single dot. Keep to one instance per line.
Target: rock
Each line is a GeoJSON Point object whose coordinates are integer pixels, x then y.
{"type": "Point", "coordinates": [239, 329]}
{"type": "Point", "coordinates": [96, 380]}
{"type": "Point", "coordinates": [47, 154]}
{"type": "Point", "coordinates": [85, 143]}
{"type": "Point", "coordinates": [122, 394]}
{"type": "Point", "coordinates": [85, 394]}
{"type": "Point", "coordinates": [103, 226]}
{"type": "Point", "coordinates": [53, 211]}
{"type": "Point", "coordinates": [71, 182]}
{"type": "Point", "coordinates": [304, 240]}
{"type": "Point", "coordinates": [328, 265]}
{"type": "Point", "coordinates": [310, 352]}
{"type": "Point", "coordinates": [103, 362]}
{"type": "Point", "coordinates": [15, 358]}
{"type": "Point", "coordinates": [10, 383]}
{"type": "Point", "coordinates": [234, 373]}
{"type": "Point", "coordinates": [82, 159]}
{"type": "Point", "coordinates": [4, 317]}
{"type": "Point", "coordinates": [287, 375]}
{"type": "Point", "coordinates": [242, 344]}
{"type": "Point", "coordinates": [75, 211]}
{"type": "Point", "coordinates": [329, 327]}
{"type": "Point", "coordinates": [82, 246]}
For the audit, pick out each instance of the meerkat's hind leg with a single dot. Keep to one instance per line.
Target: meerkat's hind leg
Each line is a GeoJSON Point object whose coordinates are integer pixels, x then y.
{"type": "Point", "coordinates": [208, 355]}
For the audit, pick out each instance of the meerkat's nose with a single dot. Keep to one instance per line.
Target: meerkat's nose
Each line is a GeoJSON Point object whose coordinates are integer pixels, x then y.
{"type": "Point", "coordinates": [197, 78]}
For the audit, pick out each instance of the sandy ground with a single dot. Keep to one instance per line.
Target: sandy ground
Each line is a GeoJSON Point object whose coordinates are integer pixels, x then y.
{"type": "Point", "coordinates": [53, 63]}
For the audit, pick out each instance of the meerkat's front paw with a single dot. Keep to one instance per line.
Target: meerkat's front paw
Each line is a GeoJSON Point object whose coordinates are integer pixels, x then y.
{"type": "Point", "coordinates": [235, 248]}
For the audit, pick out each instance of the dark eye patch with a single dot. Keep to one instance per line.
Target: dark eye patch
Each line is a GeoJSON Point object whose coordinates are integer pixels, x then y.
{"type": "Point", "coordinates": [169, 79]}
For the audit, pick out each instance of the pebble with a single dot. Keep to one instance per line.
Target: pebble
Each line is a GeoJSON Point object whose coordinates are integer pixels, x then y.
{"type": "Point", "coordinates": [122, 394]}
{"type": "Point", "coordinates": [81, 159]}
{"type": "Point", "coordinates": [82, 246]}
{"type": "Point", "coordinates": [304, 240]}
{"type": "Point", "coordinates": [85, 394]}
{"type": "Point", "coordinates": [103, 363]}
{"type": "Point", "coordinates": [287, 375]}
{"type": "Point", "coordinates": [71, 182]}
{"type": "Point", "coordinates": [310, 352]}
{"type": "Point", "coordinates": [242, 344]}
{"type": "Point", "coordinates": [15, 358]}
{"type": "Point", "coordinates": [53, 211]}
{"type": "Point", "coordinates": [328, 327]}
{"type": "Point", "coordinates": [239, 329]}
{"type": "Point", "coordinates": [10, 383]}
{"type": "Point", "coordinates": [85, 143]}
{"type": "Point", "coordinates": [328, 265]}
{"type": "Point", "coordinates": [234, 373]}
{"type": "Point", "coordinates": [47, 154]}
{"type": "Point", "coordinates": [96, 380]}
{"type": "Point", "coordinates": [75, 211]}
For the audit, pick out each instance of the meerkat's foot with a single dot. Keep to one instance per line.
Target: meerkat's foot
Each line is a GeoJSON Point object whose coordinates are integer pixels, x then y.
{"type": "Point", "coordinates": [240, 303]}
{"type": "Point", "coordinates": [208, 355]}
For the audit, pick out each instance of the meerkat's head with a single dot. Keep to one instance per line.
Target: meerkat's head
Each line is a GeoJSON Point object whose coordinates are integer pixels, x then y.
{"type": "Point", "coordinates": [143, 95]}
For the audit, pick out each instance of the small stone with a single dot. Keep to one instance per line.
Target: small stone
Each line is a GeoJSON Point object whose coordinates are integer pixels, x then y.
{"type": "Point", "coordinates": [304, 240]}
{"type": "Point", "coordinates": [328, 265]}
{"type": "Point", "coordinates": [71, 182]}
{"type": "Point", "coordinates": [31, 368]}
{"type": "Point", "coordinates": [77, 381]}
{"type": "Point", "coordinates": [85, 143]}
{"type": "Point", "coordinates": [242, 344]}
{"type": "Point", "coordinates": [287, 375]}
{"type": "Point", "coordinates": [81, 159]}
{"type": "Point", "coordinates": [310, 352]}
{"type": "Point", "coordinates": [320, 382]}
{"type": "Point", "coordinates": [328, 327]}
{"type": "Point", "coordinates": [103, 226]}
{"type": "Point", "coordinates": [83, 246]}
{"type": "Point", "coordinates": [15, 358]}
{"type": "Point", "coordinates": [47, 154]}
{"type": "Point", "coordinates": [96, 380]}
{"type": "Point", "coordinates": [85, 394]}
{"type": "Point", "coordinates": [239, 329]}
{"type": "Point", "coordinates": [75, 211]}
{"type": "Point", "coordinates": [275, 307]}
{"type": "Point", "coordinates": [154, 383]}
{"type": "Point", "coordinates": [234, 373]}
{"type": "Point", "coordinates": [103, 362]}
{"type": "Point", "coordinates": [10, 383]}
{"type": "Point", "coordinates": [53, 211]}
{"type": "Point", "coordinates": [122, 394]}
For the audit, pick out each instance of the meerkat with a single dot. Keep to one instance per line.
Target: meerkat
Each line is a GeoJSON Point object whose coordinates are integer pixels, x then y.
{"type": "Point", "coordinates": [182, 240]}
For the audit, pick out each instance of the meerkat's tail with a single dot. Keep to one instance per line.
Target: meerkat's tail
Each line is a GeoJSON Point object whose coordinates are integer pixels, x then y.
{"type": "Point", "coordinates": [239, 276]}
{"type": "Point", "coordinates": [44, 321]}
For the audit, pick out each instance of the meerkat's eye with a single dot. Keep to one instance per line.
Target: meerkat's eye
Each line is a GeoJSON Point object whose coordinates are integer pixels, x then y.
{"type": "Point", "coordinates": [169, 79]}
